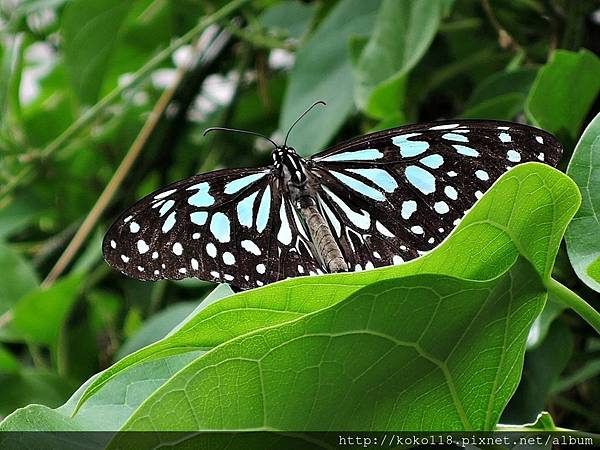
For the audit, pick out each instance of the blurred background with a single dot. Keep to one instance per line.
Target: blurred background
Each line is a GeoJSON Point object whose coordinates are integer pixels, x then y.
{"type": "Point", "coordinates": [103, 101]}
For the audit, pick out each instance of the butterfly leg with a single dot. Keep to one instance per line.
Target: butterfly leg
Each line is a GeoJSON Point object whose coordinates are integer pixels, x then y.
{"type": "Point", "coordinates": [324, 241]}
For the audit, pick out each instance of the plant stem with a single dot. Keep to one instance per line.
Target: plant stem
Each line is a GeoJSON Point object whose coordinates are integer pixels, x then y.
{"type": "Point", "coordinates": [575, 302]}
{"type": "Point", "coordinates": [88, 116]}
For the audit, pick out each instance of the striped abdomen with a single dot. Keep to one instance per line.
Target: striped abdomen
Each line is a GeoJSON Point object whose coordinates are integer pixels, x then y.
{"type": "Point", "coordinates": [323, 240]}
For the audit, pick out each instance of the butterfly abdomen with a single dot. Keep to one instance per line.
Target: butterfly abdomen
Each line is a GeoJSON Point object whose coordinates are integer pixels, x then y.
{"type": "Point", "coordinates": [323, 240]}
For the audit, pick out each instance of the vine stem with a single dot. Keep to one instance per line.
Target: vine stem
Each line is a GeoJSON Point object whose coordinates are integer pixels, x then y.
{"type": "Point", "coordinates": [575, 302]}
{"type": "Point", "coordinates": [89, 115]}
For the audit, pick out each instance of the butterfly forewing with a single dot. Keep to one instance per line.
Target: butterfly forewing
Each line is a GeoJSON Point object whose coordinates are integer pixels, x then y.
{"type": "Point", "coordinates": [225, 226]}
{"type": "Point", "coordinates": [393, 195]}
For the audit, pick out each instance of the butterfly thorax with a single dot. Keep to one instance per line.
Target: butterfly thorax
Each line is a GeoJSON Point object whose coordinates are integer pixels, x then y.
{"type": "Point", "coordinates": [301, 186]}
{"type": "Point", "coordinates": [295, 176]}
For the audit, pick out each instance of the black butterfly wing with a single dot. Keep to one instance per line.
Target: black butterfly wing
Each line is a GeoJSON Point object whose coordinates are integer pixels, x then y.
{"type": "Point", "coordinates": [393, 195]}
{"type": "Point", "coordinates": [226, 226]}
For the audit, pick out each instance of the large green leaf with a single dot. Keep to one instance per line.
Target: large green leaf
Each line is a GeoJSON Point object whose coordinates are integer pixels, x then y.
{"type": "Point", "coordinates": [360, 364]}
{"type": "Point", "coordinates": [524, 214]}
{"type": "Point", "coordinates": [90, 31]}
{"type": "Point", "coordinates": [583, 244]}
{"type": "Point", "coordinates": [403, 32]}
{"type": "Point", "coordinates": [326, 52]}
{"type": "Point", "coordinates": [563, 92]}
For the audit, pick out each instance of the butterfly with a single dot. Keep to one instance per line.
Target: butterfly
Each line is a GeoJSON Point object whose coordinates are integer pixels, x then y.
{"type": "Point", "coordinates": [376, 200]}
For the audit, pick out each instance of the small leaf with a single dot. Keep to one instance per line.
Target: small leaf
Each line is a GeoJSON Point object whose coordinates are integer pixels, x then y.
{"type": "Point", "coordinates": [51, 304]}
{"type": "Point", "coordinates": [18, 278]}
{"type": "Point", "coordinates": [583, 245]}
{"type": "Point", "coordinates": [325, 52]}
{"type": "Point", "coordinates": [563, 92]}
{"type": "Point", "coordinates": [90, 31]}
{"type": "Point", "coordinates": [543, 421]}
{"type": "Point", "coordinates": [403, 33]}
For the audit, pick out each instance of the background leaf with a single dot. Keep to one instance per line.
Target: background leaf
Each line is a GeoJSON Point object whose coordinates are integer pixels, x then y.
{"type": "Point", "coordinates": [564, 91]}
{"type": "Point", "coordinates": [290, 16]}
{"type": "Point", "coordinates": [541, 372]}
{"type": "Point", "coordinates": [33, 385]}
{"type": "Point", "coordinates": [18, 277]}
{"type": "Point", "coordinates": [501, 96]}
{"type": "Point", "coordinates": [402, 34]}
{"type": "Point", "coordinates": [53, 304]}
{"type": "Point", "coordinates": [327, 51]}
{"type": "Point", "coordinates": [90, 31]}
{"type": "Point", "coordinates": [157, 327]}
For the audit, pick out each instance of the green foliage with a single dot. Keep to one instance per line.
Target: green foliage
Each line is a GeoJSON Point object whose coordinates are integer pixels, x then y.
{"type": "Point", "coordinates": [88, 48]}
{"type": "Point", "coordinates": [18, 278]}
{"type": "Point", "coordinates": [500, 96]}
{"type": "Point", "coordinates": [573, 80]}
{"type": "Point", "coordinates": [327, 51]}
{"type": "Point", "coordinates": [490, 326]}
{"type": "Point", "coordinates": [402, 34]}
{"type": "Point", "coordinates": [52, 305]}
{"type": "Point", "coordinates": [267, 333]}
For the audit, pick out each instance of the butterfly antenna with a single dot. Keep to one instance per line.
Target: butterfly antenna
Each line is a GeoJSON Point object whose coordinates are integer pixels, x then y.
{"type": "Point", "coordinates": [320, 102]}
{"type": "Point", "coordinates": [235, 130]}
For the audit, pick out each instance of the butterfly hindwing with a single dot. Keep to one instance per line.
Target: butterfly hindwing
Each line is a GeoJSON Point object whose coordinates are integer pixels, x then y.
{"type": "Point", "coordinates": [225, 226]}
{"type": "Point", "coordinates": [396, 194]}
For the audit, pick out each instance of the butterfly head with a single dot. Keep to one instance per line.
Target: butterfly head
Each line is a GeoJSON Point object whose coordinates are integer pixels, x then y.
{"type": "Point", "coordinates": [287, 159]}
